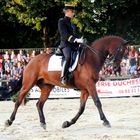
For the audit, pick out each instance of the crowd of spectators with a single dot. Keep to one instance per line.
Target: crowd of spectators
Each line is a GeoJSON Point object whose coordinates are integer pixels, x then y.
{"type": "Point", "coordinates": [130, 66]}
{"type": "Point", "coordinates": [12, 63]}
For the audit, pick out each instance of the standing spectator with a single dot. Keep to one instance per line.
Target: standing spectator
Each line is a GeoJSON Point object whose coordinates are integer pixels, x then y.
{"type": "Point", "coordinates": [132, 60]}
{"type": "Point", "coordinates": [33, 54]}
{"type": "Point", "coordinates": [27, 57]}
{"type": "Point", "coordinates": [138, 57]}
{"type": "Point", "coordinates": [48, 50]}
{"type": "Point", "coordinates": [1, 62]}
{"type": "Point", "coordinates": [1, 66]}
{"type": "Point", "coordinates": [41, 52]}
{"type": "Point", "coordinates": [6, 55]}
{"type": "Point", "coordinates": [12, 56]}
{"type": "Point", "coordinates": [20, 55]}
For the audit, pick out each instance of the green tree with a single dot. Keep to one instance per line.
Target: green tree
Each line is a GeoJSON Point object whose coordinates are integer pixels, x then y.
{"type": "Point", "coordinates": [33, 23]}
{"type": "Point", "coordinates": [39, 15]}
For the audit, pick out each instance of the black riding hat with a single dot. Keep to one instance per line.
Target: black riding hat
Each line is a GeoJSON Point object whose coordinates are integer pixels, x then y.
{"type": "Point", "coordinates": [70, 7]}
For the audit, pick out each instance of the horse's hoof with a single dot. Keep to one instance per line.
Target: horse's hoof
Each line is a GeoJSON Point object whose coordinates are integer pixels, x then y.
{"type": "Point", "coordinates": [8, 123]}
{"type": "Point", "coordinates": [65, 124]}
{"type": "Point", "coordinates": [43, 125]}
{"type": "Point", "coordinates": [107, 124]}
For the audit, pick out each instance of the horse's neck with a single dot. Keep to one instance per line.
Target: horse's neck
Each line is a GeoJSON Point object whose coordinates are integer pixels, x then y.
{"type": "Point", "coordinates": [99, 56]}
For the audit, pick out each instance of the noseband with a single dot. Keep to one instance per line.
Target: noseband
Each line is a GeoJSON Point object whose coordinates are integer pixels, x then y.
{"type": "Point", "coordinates": [116, 55]}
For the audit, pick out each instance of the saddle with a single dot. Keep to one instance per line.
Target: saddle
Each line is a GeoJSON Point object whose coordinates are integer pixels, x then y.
{"type": "Point", "coordinates": [73, 62]}
{"type": "Point", "coordinates": [74, 54]}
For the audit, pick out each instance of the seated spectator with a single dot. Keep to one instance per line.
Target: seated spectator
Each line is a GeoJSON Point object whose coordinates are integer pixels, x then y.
{"type": "Point", "coordinates": [138, 70]}
{"type": "Point", "coordinates": [20, 68]}
{"type": "Point", "coordinates": [7, 71]}
{"type": "Point", "coordinates": [5, 80]}
{"type": "Point", "coordinates": [124, 68]}
{"type": "Point", "coordinates": [135, 74]}
{"type": "Point", "coordinates": [15, 62]}
{"type": "Point", "coordinates": [109, 70]}
{"type": "Point", "coordinates": [7, 63]}
{"type": "Point", "coordinates": [14, 71]}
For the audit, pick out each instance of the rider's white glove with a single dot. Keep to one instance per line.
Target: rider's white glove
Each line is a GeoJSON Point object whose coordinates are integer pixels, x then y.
{"type": "Point", "coordinates": [79, 40]}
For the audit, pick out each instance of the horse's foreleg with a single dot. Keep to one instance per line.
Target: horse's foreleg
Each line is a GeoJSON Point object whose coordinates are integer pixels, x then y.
{"type": "Point", "coordinates": [83, 99]}
{"type": "Point", "coordinates": [94, 95]}
{"type": "Point", "coordinates": [99, 107]}
{"type": "Point", "coordinates": [45, 91]}
{"type": "Point", "coordinates": [21, 96]}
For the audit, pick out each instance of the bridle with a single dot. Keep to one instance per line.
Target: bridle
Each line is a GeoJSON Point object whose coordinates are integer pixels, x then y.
{"type": "Point", "coordinates": [116, 55]}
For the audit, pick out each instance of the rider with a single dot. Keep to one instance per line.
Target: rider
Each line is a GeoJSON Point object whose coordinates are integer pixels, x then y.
{"type": "Point", "coordinates": [68, 39]}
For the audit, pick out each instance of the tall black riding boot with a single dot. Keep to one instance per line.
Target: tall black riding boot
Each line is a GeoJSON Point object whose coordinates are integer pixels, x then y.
{"type": "Point", "coordinates": [64, 71]}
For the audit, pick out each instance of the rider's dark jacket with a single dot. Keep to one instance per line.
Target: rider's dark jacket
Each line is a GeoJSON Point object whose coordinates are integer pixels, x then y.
{"type": "Point", "coordinates": [66, 30]}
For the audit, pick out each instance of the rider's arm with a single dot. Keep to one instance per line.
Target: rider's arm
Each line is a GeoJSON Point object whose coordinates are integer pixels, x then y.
{"type": "Point", "coordinates": [65, 35]}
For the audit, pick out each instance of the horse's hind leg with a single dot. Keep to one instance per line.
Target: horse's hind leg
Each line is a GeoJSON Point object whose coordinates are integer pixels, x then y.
{"type": "Point", "coordinates": [83, 99]}
{"type": "Point", "coordinates": [23, 92]}
{"type": "Point", "coordinates": [45, 91]}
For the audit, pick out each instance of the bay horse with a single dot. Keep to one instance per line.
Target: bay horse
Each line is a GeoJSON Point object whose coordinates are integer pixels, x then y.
{"type": "Point", "coordinates": [85, 77]}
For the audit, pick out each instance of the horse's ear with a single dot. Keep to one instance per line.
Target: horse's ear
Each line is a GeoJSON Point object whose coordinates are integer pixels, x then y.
{"type": "Point", "coordinates": [126, 42]}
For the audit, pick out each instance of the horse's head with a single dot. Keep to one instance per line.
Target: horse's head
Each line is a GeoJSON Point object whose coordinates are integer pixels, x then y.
{"type": "Point", "coordinates": [109, 49]}
{"type": "Point", "coordinates": [116, 55]}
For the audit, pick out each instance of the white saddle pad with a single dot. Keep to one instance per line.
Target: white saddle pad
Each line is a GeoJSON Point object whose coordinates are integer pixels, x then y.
{"type": "Point", "coordinates": [55, 63]}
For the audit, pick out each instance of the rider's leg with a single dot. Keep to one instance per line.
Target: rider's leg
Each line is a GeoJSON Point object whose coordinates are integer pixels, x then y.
{"type": "Point", "coordinates": [67, 54]}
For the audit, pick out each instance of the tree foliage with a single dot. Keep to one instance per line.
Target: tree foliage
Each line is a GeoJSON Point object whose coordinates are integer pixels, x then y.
{"type": "Point", "coordinates": [33, 23]}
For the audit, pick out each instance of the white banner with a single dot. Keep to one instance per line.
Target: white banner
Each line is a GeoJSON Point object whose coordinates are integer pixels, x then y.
{"type": "Point", "coordinates": [57, 92]}
{"type": "Point", "coordinates": [117, 88]}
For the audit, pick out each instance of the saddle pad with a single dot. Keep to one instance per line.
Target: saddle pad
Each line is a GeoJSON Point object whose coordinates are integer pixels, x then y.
{"type": "Point", "coordinates": [55, 63]}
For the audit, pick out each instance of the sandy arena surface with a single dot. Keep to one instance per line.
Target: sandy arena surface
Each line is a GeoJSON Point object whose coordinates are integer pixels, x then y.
{"type": "Point", "coordinates": [123, 114]}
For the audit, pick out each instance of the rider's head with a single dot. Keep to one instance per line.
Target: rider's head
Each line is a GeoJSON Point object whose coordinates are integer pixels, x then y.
{"type": "Point", "coordinates": [69, 11]}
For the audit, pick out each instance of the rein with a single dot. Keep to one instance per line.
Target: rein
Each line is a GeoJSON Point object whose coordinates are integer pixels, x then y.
{"type": "Point", "coordinates": [112, 58]}
{"type": "Point", "coordinates": [96, 52]}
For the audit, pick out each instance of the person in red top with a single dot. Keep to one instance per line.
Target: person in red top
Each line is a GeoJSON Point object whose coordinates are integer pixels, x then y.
{"type": "Point", "coordinates": [132, 56]}
{"type": "Point", "coordinates": [1, 61]}
{"type": "Point", "coordinates": [1, 66]}
{"type": "Point", "coordinates": [132, 60]}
